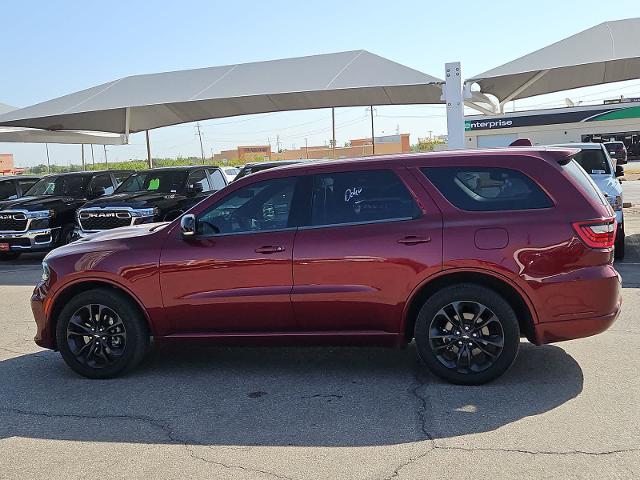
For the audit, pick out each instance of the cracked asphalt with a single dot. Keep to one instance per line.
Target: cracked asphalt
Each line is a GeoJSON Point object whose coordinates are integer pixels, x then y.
{"type": "Point", "coordinates": [569, 410]}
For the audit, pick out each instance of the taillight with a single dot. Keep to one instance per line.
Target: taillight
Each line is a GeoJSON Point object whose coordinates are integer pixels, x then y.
{"type": "Point", "coordinates": [597, 233]}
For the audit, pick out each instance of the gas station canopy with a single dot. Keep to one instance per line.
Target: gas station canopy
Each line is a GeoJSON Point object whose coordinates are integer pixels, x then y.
{"type": "Point", "coordinates": [144, 102]}
{"type": "Point", "coordinates": [608, 52]}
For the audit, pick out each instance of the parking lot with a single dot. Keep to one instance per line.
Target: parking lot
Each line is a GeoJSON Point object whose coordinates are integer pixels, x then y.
{"type": "Point", "coordinates": [570, 410]}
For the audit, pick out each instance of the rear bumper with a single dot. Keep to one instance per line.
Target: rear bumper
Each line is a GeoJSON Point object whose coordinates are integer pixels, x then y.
{"type": "Point", "coordinates": [31, 240]}
{"type": "Point", "coordinates": [583, 325]}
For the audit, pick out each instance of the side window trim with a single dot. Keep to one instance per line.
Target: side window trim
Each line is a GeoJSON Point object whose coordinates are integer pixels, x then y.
{"type": "Point", "coordinates": [355, 224]}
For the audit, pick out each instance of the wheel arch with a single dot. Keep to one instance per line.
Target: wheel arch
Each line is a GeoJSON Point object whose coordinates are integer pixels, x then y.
{"type": "Point", "coordinates": [517, 299]}
{"type": "Point", "coordinates": [75, 288]}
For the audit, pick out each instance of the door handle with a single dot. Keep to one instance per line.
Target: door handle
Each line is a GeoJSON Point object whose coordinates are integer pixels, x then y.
{"type": "Point", "coordinates": [270, 249]}
{"type": "Point", "coordinates": [414, 240]}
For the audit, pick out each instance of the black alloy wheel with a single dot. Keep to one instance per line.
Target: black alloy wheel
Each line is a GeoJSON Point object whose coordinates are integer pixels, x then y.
{"type": "Point", "coordinates": [467, 334]}
{"type": "Point", "coordinates": [96, 336]}
{"type": "Point", "coordinates": [101, 333]}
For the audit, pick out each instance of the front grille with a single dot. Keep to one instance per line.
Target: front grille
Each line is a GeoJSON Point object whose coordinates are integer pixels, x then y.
{"type": "Point", "coordinates": [104, 220]}
{"type": "Point", "coordinates": [13, 222]}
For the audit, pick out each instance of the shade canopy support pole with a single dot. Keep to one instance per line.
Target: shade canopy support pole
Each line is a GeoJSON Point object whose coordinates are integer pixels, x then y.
{"type": "Point", "coordinates": [455, 105]}
{"type": "Point", "coordinates": [127, 124]}
{"type": "Point", "coordinates": [522, 88]}
{"type": "Point", "coordinates": [149, 159]}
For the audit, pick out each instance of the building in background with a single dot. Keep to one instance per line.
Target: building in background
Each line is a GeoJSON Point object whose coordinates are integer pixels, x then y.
{"type": "Point", "coordinates": [6, 164]}
{"type": "Point", "coordinates": [357, 147]}
{"type": "Point", "coordinates": [617, 119]}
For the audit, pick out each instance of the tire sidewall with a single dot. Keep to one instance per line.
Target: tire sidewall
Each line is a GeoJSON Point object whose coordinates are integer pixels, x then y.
{"type": "Point", "coordinates": [137, 336]}
{"type": "Point", "coordinates": [474, 293]}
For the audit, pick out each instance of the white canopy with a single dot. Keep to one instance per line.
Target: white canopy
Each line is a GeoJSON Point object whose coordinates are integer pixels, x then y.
{"type": "Point", "coordinates": [608, 52]}
{"type": "Point", "coordinates": [28, 135]}
{"type": "Point", "coordinates": [143, 102]}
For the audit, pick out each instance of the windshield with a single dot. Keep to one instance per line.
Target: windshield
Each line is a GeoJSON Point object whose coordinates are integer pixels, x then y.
{"type": "Point", "coordinates": [593, 161]}
{"type": "Point", "coordinates": [63, 185]}
{"type": "Point", "coordinates": [162, 182]}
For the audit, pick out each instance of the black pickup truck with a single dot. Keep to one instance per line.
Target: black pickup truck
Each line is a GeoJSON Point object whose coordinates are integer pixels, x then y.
{"type": "Point", "coordinates": [155, 195]}
{"type": "Point", "coordinates": [44, 217]}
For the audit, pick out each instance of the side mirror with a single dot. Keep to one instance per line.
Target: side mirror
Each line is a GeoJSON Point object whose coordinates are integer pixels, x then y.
{"type": "Point", "coordinates": [188, 225]}
{"type": "Point", "coordinates": [196, 188]}
{"type": "Point", "coordinates": [619, 171]}
{"type": "Point", "coordinates": [99, 192]}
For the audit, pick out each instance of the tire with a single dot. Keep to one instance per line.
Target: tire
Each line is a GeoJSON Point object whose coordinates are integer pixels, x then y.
{"type": "Point", "coordinates": [6, 256]}
{"type": "Point", "coordinates": [618, 252]}
{"type": "Point", "coordinates": [93, 355]}
{"type": "Point", "coordinates": [439, 336]}
{"type": "Point", "coordinates": [66, 235]}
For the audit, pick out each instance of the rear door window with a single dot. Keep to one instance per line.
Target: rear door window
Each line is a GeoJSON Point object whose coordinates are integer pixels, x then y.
{"type": "Point", "coordinates": [199, 177]}
{"type": "Point", "coordinates": [7, 190]}
{"type": "Point", "coordinates": [594, 161]}
{"type": "Point", "coordinates": [360, 197]}
{"type": "Point", "coordinates": [487, 189]}
{"type": "Point", "coordinates": [217, 179]}
{"type": "Point", "coordinates": [102, 182]}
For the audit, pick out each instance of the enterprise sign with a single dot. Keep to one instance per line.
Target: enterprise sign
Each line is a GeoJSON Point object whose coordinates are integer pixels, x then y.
{"type": "Point", "coordinates": [592, 115]}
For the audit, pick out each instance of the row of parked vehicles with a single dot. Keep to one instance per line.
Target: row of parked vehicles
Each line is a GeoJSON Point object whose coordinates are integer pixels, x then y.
{"type": "Point", "coordinates": [465, 252]}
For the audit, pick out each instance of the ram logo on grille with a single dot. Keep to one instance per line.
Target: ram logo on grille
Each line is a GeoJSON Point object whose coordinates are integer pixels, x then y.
{"type": "Point", "coordinates": [6, 216]}
{"type": "Point", "coordinates": [100, 214]}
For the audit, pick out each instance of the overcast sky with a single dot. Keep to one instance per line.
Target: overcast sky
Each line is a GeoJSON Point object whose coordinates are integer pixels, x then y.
{"type": "Point", "coordinates": [50, 49]}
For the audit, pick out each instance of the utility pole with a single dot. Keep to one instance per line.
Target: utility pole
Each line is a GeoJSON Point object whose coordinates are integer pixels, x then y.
{"type": "Point", "coordinates": [149, 159]}
{"type": "Point", "coordinates": [373, 137]}
{"type": "Point", "coordinates": [106, 162]}
{"type": "Point", "coordinates": [333, 130]}
{"type": "Point", "coordinates": [93, 159]}
{"type": "Point", "coordinates": [200, 136]}
{"type": "Point", "coordinates": [306, 148]}
{"type": "Point", "coordinates": [278, 143]}
{"type": "Point", "coordinates": [83, 167]}
{"type": "Point", "coordinates": [46, 145]}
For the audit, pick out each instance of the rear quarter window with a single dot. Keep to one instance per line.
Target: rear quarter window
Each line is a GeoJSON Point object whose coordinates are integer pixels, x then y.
{"type": "Point", "coordinates": [487, 189]}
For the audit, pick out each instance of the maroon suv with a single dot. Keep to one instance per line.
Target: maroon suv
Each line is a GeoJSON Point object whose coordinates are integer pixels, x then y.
{"type": "Point", "coordinates": [465, 252]}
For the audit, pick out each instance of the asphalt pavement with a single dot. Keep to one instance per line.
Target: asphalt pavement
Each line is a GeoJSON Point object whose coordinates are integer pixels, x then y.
{"type": "Point", "coordinates": [569, 410]}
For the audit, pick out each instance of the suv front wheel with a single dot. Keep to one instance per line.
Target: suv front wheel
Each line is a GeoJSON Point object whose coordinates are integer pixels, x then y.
{"type": "Point", "coordinates": [100, 333]}
{"type": "Point", "coordinates": [467, 334]}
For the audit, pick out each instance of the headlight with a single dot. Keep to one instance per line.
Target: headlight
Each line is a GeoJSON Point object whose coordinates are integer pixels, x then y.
{"type": "Point", "coordinates": [615, 202]}
{"type": "Point", "coordinates": [46, 273]}
{"type": "Point", "coordinates": [41, 214]}
{"type": "Point", "coordinates": [144, 212]}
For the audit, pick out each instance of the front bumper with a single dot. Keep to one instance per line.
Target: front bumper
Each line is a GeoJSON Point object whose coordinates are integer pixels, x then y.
{"type": "Point", "coordinates": [45, 337]}
{"type": "Point", "coordinates": [30, 240]}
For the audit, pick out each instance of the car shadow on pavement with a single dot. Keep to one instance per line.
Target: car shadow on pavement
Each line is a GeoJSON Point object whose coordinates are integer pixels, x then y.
{"type": "Point", "coordinates": [628, 268]}
{"type": "Point", "coordinates": [275, 397]}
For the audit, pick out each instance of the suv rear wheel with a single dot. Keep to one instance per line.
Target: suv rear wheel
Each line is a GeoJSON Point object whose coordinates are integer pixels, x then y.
{"type": "Point", "coordinates": [100, 334]}
{"type": "Point", "coordinates": [467, 334]}
{"type": "Point", "coordinates": [618, 249]}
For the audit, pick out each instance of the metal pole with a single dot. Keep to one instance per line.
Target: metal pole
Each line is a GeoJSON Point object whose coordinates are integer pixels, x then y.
{"type": "Point", "coordinates": [455, 105]}
{"type": "Point", "coordinates": [106, 162]}
{"type": "Point", "coordinates": [83, 167]}
{"type": "Point", "coordinates": [46, 145]}
{"type": "Point", "coordinates": [333, 129]}
{"type": "Point", "coordinates": [306, 148]}
{"type": "Point", "coordinates": [149, 159]}
{"type": "Point", "coordinates": [373, 137]}
{"type": "Point", "coordinates": [93, 158]}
